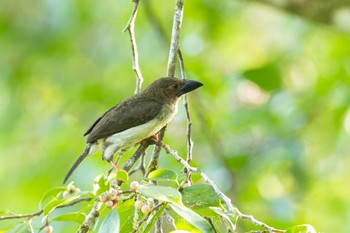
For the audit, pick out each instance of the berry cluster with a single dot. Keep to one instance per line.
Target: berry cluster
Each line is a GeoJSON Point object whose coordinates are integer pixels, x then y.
{"type": "Point", "coordinates": [110, 198]}
{"type": "Point", "coordinates": [70, 190]}
{"type": "Point", "coordinates": [144, 206]}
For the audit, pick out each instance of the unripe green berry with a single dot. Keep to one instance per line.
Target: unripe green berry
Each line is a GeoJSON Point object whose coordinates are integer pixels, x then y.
{"type": "Point", "coordinates": [134, 185]}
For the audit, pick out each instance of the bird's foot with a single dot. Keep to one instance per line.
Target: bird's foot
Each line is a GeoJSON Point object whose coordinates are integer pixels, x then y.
{"type": "Point", "coordinates": [151, 140]}
{"type": "Point", "coordinates": [114, 165]}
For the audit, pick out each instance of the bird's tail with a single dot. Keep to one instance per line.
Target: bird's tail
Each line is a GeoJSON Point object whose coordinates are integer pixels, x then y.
{"type": "Point", "coordinates": [77, 162]}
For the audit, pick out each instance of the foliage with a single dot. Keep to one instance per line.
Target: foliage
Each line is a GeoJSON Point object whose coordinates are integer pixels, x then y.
{"type": "Point", "coordinates": [271, 126]}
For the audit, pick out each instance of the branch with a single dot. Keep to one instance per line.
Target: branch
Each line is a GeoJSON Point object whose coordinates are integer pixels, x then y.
{"type": "Point", "coordinates": [153, 164]}
{"type": "Point", "coordinates": [90, 218]}
{"type": "Point", "coordinates": [38, 213]}
{"type": "Point", "coordinates": [29, 216]}
{"type": "Point", "coordinates": [132, 160]}
{"type": "Point", "coordinates": [175, 38]}
{"type": "Point", "coordinates": [130, 27]}
{"type": "Point", "coordinates": [188, 117]}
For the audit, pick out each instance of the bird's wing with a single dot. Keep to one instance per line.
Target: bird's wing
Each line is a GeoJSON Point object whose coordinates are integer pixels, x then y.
{"type": "Point", "coordinates": [125, 115]}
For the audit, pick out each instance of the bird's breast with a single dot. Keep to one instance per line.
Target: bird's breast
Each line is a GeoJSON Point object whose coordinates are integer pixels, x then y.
{"type": "Point", "coordinates": [131, 136]}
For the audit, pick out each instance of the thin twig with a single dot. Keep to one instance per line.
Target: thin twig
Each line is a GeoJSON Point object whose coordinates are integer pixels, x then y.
{"type": "Point", "coordinates": [130, 27]}
{"type": "Point", "coordinates": [189, 122]}
{"type": "Point", "coordinates": [138, 153]}
{"type": "Point", "coordinates": [29, 216]}
{"type": "Point", "coordinates": [74, 202]}
{"type": "Point", "coordinates": [158, 226]}
{"type": "Point", "coordinates": [169, 219]}
{"type": "Point", "coordinates": [38, 213]}
{"type": "Point", "coordinates": [153, 164]}
{"type": "Point", "coordinates": [175, 38]}
{"type": "Point", "coordinates": [211, 224]}
{"type": "Point", "coordinates": [91, 217]}
{"type": "Point", "coordinates": [140, 166]}
{"type": "Point", "coordinates": [136, 213]}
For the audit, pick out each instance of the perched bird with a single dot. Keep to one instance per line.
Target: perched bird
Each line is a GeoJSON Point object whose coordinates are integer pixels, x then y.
{"type": "Point", "coordinates": [135, 118]}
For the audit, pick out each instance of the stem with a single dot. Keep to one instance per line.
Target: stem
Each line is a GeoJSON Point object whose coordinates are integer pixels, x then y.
{"type": "Point", "coordinates": [130, 27]}
{"type": "Point", "coordinates": [91, 217]}
{"type": "Point", "coordinates": [175, 38]}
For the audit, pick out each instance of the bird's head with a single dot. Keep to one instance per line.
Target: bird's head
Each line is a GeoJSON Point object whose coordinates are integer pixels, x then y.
{"type": "Point", "coordinates": [170, 89]}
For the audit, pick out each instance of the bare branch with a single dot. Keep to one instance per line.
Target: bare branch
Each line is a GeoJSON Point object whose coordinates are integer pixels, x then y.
{"type": "Point", "coordinates": [140, 166]}
{"type": "Point", "coordinates": [91, 217]}
{"type": "Point", "coordinates": [29, 216]}
{"type": "Point", "coordinates": [130, 27]}
{"type": "Point", "coordinates": [175, 38]}
{"type": "Point", "coordinates": [132, 160]}
{"type": "Point", "coordinates": [153, 164]}
{"type": "Point", "coordinates": [188, 117]}
{"type": "Point", "coordinates": [38, 213]}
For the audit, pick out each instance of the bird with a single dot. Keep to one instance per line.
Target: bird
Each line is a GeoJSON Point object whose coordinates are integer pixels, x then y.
{"type": "Point", "coordinates": [134, 119]}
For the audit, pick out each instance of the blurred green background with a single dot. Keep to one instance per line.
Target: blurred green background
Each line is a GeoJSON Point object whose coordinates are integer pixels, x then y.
{"type": "Point", "coordinates": [271, 125]}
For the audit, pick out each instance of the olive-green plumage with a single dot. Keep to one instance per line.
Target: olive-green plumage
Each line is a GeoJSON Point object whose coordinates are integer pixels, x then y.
{"type": "Point", "coordinates": [135, 118]}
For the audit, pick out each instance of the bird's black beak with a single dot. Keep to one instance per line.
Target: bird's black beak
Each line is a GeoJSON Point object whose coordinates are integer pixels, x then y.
{"type": "Point", "coordinates": [190, 85]}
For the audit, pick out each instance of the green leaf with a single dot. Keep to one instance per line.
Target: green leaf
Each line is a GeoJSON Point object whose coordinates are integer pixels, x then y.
{"type": "Point", "coordinates": [161, 193]}
{"type": "Point", "coordinates": [305, 228]}
{"type": "Point", "coordinates": [162, 174]}
{"type": "Point", "coordinates": [74, 217]}
{"type": "Point", "coordinates": [111, 223]}
{"type": "Point", "coordinates": [164, 178]}
{"type": "Point", "coordinates": [122, 175]}
{"type": "Point", "coordinates": [57, 202]}
{"type": "Point", "coordinates": [102, 183]}
{"type": "Point", "coordinates": [54, 192]}
{"type": "Point", "coordinates": [192, 217]}
{"type": "Point", "coordinates": [200, 196]}
{"type": "Point", "coordinates": [153, 219]}
{"type": "Point", "coordinates": [126, 213]}
{"type": "Point", "coordinates": [229, 218]}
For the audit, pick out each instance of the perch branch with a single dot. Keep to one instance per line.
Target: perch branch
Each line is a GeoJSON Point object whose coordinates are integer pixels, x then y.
{"type": "Point", "coordinates": [174, 47]}
{"type": "Point", "coordinates": [130, 27]}
{"type": "Point", "coordinates": [91, 217]}
{"type": "Point", "coordinates": [153, 164]}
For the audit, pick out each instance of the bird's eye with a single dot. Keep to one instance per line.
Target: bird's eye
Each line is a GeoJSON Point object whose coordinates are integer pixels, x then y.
{"type": "Point", "coordinates": [176, 86]}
